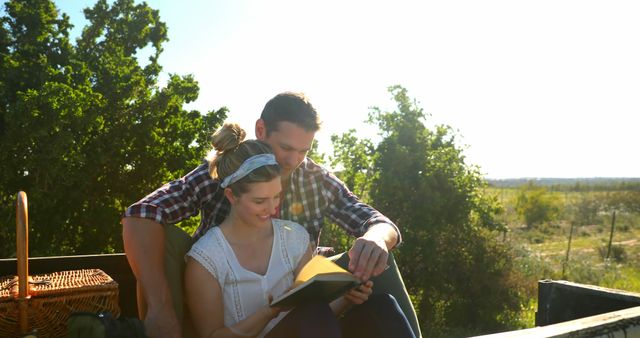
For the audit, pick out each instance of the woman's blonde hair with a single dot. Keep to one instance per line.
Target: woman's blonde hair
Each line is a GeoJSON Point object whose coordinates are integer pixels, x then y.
{"type": "Point", "coordinates": [230, 151]}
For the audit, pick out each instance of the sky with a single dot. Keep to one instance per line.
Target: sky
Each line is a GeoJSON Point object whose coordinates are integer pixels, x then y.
{"type": "Point", "coordinates": [545, 88]}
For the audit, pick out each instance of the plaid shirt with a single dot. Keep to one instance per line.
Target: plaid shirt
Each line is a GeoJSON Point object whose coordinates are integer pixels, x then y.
{"type": "Point", "coordinates": [313, 193]}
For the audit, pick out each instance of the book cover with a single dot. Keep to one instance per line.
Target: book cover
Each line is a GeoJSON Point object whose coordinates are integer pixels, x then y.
{"type": "Point", "coordinates": [320, 280]}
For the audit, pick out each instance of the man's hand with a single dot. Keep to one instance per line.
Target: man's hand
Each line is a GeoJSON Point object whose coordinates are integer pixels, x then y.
{"type": "Point", "coordinates": [367, 258]}
{"type": "Point", "coordinates": [369, 254]}
{"type": "Point", "coordinates": [162, 323]}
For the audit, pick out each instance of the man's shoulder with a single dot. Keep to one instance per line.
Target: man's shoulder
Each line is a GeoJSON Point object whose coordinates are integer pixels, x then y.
{"type": "Point", "coordinates": [310, 164]}
{"type": "Point", "coordinates": [311, 168]}
{"type": "Point", "coordinates": [200, 170]}
{"type": "Point", "coordinates": [198, 177]}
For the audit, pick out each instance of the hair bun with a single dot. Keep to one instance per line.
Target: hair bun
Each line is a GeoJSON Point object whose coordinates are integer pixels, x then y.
{"type": "Point", "coordinates": [227, 138]}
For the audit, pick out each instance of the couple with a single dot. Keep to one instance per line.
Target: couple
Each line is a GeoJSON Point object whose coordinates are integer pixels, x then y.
{"type": "Point", "coordinates": [305, 193]}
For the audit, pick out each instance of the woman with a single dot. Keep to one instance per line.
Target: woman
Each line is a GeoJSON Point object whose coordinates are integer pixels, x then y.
{"type": "Point", "coordinates": [234, 269]}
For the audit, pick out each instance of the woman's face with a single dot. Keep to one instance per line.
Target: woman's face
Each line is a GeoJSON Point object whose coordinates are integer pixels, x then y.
{"type": "Point", "coordinates": [256, 206]}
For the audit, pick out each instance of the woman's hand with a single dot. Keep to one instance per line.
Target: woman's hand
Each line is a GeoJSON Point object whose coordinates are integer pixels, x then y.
{"type": "Point", "coordinates": [360, 294]}
{"type": "Point", "coordinates": [275, 310]}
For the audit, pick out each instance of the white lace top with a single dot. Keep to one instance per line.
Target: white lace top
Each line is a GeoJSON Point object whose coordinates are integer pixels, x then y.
{"type": "Point", "coordinates": [244, 291]}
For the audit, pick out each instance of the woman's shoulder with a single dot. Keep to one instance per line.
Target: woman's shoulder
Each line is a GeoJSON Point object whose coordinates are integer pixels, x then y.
{"type": "Point", "coordinates": [208, 251]}
{"type": "Point", "coordinates": [291, 230]}
{"type": "Point", "coordinates": [294, 237]}
{"type": "Point", "coordinates": [288, 225]}
{"type": "Point", "coordinates": [208, 247]}
{"type": "Point", "coordinates": [209, 236]}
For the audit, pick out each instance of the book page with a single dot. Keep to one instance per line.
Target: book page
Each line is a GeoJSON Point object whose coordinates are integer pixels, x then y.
{"type": "Point", "coordinates": [318, 265]}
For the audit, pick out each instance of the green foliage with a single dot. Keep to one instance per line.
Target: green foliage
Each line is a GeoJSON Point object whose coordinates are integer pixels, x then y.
{"type": "Point", "coordinates": [356, 157]}
{"type": "Point", "coordinates": [315, 154]}
{"type": "Point", "coordinates": [85, 129]}
{"type": "Point", "coordinates": [353, 161]}
{"type": "Point", "coordinates": [335, 237]}
{"type": "Point", "coordinates": [461, 277]}
{"type": "Point", "coordinates": [535, 205]}
{"type": "Point", "coordinates": [586, 210]}
{"type": "Point", "coordinates": [628, 201]}
{"type": "Point", "coordinates": [541, 251]}
{"type": "Point", "coordinates": [595, 184]}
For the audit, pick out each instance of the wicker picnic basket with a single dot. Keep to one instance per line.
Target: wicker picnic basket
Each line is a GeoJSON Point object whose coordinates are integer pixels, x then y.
{"type": "Point", "coordinates": [43, 305]}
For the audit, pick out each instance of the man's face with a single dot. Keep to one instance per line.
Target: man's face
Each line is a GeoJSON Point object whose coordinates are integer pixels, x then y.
{"type": "Point", "coordinates": [290, 144]}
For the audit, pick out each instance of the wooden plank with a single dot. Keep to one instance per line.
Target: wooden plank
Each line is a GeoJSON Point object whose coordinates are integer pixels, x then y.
{"type": "Point", "coordinates": [561, 301]}
{"type": "Point", "coordinates": [621, 323]}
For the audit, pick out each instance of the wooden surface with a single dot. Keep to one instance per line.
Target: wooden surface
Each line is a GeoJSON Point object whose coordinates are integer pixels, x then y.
{"type": "Point", "coordinates": [561, 301]}
{"type": "Point", "coordinates": [622, 323]}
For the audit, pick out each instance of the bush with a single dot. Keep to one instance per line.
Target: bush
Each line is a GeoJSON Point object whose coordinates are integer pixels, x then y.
{"type": "Point", "coordinates": [536, 205]}
{"type": "Point", "coordinates": [618, 253]}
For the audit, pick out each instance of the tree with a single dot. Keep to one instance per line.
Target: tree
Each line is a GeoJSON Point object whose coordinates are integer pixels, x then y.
{"type": "Point", "coordinates": [315, 154]}
{"type": "Point", "coordinates": [356, 156]}
{"type": "Point", "coordinates": [352, 161]}
{"type": "Point", "coordinates": [585, 209]}
{"type": "Point", "coordinates": [461, 278]}
{"type": "Point", "coordinates": [85, 128]}
{"type": "Point", "coordinates": [625, 201]}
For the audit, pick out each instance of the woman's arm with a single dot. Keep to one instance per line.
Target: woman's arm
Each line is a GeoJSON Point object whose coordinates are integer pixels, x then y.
{"type": "Point", "coordinates": [204, 299]}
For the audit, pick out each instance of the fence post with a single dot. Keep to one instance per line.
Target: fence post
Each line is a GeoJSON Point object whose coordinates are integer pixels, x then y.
{"type": "Point", "coordinates": [566, 259]}
{"type": "Point", "coordinates": [613, 224]}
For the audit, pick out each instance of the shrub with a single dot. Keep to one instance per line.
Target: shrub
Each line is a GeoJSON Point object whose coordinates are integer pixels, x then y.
{"type": "Point", "coordinates": [536, 205]}
{"type": "Point", "coordinates": [618, 253]}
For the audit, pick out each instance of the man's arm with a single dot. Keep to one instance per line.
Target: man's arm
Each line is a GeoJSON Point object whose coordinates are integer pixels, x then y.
{"type": "Point", "coordinates": [144, 246]}
{"type": "Point", "coordinates": [375, 233]}
{"type": "Point", "coordinates": [144, 242]}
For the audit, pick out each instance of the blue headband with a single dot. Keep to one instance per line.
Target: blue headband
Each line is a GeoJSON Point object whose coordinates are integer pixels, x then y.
{"type": "Point", "coordinates": [251, 164]}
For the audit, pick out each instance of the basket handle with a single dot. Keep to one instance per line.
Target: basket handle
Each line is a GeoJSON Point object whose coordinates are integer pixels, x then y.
{"type": "Point", "coordinates": [22, 243]}
{"type": "Point", "coordinates": [22, 253]}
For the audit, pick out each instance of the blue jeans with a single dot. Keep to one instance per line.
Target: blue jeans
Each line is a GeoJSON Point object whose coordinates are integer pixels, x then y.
{"type": "Point", "coordinates": [378, 317]}
{"type": "Point", "coordinates": [390, 282]}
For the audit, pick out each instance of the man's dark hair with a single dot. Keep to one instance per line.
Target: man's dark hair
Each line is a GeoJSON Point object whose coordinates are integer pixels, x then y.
{"type": "Point", "coordinates": [291, 107]}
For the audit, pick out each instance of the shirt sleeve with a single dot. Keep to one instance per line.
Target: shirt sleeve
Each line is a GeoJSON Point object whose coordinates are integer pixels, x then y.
{"type": "Point", "coordinates": [178, 199]}
{"type": "Point", "coordinates": [346, 210]}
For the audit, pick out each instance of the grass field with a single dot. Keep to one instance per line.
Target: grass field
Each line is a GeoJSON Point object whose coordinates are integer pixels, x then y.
{"type": "Point", "coordinates": [542, 251]}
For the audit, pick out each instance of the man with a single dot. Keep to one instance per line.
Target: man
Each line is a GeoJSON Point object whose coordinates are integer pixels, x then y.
{"type": "Point", "coordinates": [288, 123]}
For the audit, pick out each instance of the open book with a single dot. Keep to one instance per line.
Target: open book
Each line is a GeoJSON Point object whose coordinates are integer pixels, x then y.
{"type": "Point", "coordinates": [319, 280]}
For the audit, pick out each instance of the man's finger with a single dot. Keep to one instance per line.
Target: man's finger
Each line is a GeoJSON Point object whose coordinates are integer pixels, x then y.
{"type": "Point", "coordinates": [371, 263]}
{"type": "Point", "coordinates": [362, 261]}
{"type": "Point", "coordinates": [381, 264]}
{"type": "Point", "coordinates": [354, 253]}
